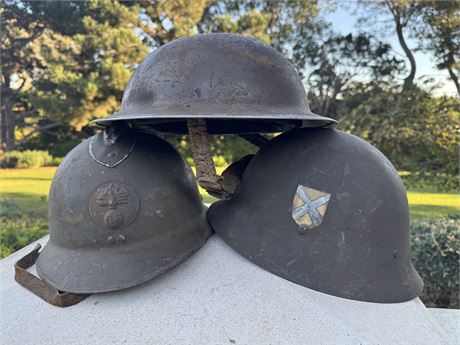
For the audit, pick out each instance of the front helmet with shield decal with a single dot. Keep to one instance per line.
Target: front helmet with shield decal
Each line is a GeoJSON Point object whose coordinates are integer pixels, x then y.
{"type": "Point", "coordinates": [123, 208]}
{"type": "Point", "coordinates": [326, 210]}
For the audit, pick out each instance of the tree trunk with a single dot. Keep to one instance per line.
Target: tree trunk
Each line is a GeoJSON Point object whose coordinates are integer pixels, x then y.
{"type": "Point", "coordinates": [409, 80]}
{"type": "Point", "coordinates": [7, 128]}
{"type": "Point", "coordinates": [454, 79]}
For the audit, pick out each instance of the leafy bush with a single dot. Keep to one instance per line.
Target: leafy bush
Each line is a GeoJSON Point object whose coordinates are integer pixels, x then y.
{"type": "Point", "coordinates": [25, 159]}
{"type": "Point", "coordinates": [415, 131]}
{"type": "Point", "coordinates": [56, 161]}
{"type": "Point", "coordinates": [436, 255]}
{"type": "Point", "coordinates": [60, 140]}
{"type": "Point", "coordinates": [428, 182]}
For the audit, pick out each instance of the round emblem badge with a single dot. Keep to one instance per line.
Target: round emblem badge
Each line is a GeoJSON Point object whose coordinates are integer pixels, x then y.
{"type": "Point", "coordinates": [113, 205]}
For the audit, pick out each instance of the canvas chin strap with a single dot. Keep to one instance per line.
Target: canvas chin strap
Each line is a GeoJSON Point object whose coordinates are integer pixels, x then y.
{"type": "Point", "coordinates": [39, 287]}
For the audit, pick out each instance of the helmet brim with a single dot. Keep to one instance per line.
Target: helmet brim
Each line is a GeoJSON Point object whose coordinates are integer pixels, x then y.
{"type": "Point", "coordinates": [114, 268]}
{"type": "Point", "coordinates": [222, 123]}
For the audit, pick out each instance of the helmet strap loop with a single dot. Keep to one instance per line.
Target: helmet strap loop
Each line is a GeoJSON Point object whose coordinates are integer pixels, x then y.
{"type": "Point", "coordinates": [39, 287]}
{"type": "Point", "coordinates": [205, 169]}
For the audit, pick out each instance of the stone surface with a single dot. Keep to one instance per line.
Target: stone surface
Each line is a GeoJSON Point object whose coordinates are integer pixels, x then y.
{"type": "Point", "coordinates": [215, 297]}
{"type": "Point", "coordinates": [449, 320]}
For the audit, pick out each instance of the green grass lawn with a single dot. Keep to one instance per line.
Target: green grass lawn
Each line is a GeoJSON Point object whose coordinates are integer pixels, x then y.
{"type": "Point", "coordinates": [29, 189]}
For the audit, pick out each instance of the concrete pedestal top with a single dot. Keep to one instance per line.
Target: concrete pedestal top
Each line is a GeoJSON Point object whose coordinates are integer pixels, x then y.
{"type": "Point", "coordinates": [215, 297]}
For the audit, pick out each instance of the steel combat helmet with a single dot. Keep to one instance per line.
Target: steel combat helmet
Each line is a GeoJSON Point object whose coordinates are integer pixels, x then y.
{"type": "Point", "coordinates": [326, 210]}
{"type": "Point", "coordinates": [237, 83]}
{"type": "Point", "coordinates": [123, 208]}
{"type": "Point", "coordinates": [216, 84]}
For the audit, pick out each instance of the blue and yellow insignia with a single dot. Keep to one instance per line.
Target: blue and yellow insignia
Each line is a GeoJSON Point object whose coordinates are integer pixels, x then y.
{"type": "Point", "coordinates": [309, 207]}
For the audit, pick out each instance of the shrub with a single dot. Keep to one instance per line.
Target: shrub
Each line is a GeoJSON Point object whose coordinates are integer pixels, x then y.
{"type": "Point", "coordinates": [25, 159]}
{"type": "Point", "coordinates": [436, 254]}
{"type": "Point", "coordinates": [428, 182]}
{"type": "Point", "coordinates": [56, 161]}
{"type": "Point", "coordinates": [416, 131]}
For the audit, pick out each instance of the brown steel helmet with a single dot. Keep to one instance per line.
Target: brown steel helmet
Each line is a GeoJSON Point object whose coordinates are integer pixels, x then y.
{"type": "Point", "coordinates": [123, 208]}
{"type": "Point", "coordinates": [326, 210]}
{"type": "Point", "coordinates": [237, 83]}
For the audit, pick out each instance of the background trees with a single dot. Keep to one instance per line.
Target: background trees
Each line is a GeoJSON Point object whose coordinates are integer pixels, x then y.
{"type": "Point", "coordinates": [66, 62]}
{"type": "Point", "coordinates": [440, 34]}
{"type": "Point", "coordinates": [19, 31]}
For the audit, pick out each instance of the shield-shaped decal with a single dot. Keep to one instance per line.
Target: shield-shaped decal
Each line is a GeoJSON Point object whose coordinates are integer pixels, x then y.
{"type": "Point", "coordinates": [309, 207]}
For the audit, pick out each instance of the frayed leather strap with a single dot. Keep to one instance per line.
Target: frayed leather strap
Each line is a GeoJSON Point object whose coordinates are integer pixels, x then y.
{"type": "Point", "coordinates": [39, 287]}
{"type": "Point", "coordinates": [205, 170]}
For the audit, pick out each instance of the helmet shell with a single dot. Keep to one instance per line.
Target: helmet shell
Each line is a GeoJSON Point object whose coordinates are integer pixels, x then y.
{"type": "Point", "coordinates": [216, 76]}
{"type": "Point", "coordinates": [113, 226]}
{"type": "Point", "coordinates": [326, 210]}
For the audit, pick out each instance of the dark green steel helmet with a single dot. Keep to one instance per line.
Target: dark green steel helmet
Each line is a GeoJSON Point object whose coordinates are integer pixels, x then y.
{"type": "Point", "coordinates": [326, 210]}
{"type": "Point", "coordinates": [123, 208]}
{"type": "Point", "coordinates": [237, 83]}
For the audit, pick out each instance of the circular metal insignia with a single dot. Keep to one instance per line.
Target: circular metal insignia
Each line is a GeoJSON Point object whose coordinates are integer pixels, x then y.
{"type": "Point", "coordinates": [113, 205]}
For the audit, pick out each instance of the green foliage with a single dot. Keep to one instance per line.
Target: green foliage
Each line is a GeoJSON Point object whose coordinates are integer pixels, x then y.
{"type": "Point", "coordinates": [439, 182]}
{"type": "Point", "coordinates": [19, 227]}
{"type": "Point", "coordinates": [253, 24]}
{"type": "Point", "coordinates": [417, 132]}
{"type": "Point", "coordinates": [274, 22]}
{"type": "Point", "coordinates": [436, 255]}
{"type": "Point", "coordinates": [56, 161]}
{"type": "Point", "coordinates": [58, 141]}
{"type": "Point", "coordinates": [25, 159]}
{"type": "Point", "coordinates": [92, 61]}
{"type": "Point", "coordinates": [19, 29]}
{"type": "Point", "coordinates": [64, 62]}
{"type": "Point", "coordinates": [162, 21]}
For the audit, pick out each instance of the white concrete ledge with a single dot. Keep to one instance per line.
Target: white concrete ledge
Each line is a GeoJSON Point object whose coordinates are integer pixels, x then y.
{"type": "Point", "coordinates": [215, 297]}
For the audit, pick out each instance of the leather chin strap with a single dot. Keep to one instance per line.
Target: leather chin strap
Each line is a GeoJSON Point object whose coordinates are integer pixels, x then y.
{"type": "Point", "coordinates": [205, 169]}
{"type": "Point", "coordinates": [39, 287]}
{"type": "Point", "coordinates": [222, 187]}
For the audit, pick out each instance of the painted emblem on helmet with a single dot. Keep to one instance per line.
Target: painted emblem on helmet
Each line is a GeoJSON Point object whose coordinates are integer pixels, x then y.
{"type": "Point", "coordinates": [113, 205]}
{"type": "Point", "coordinates": [309, 207]}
